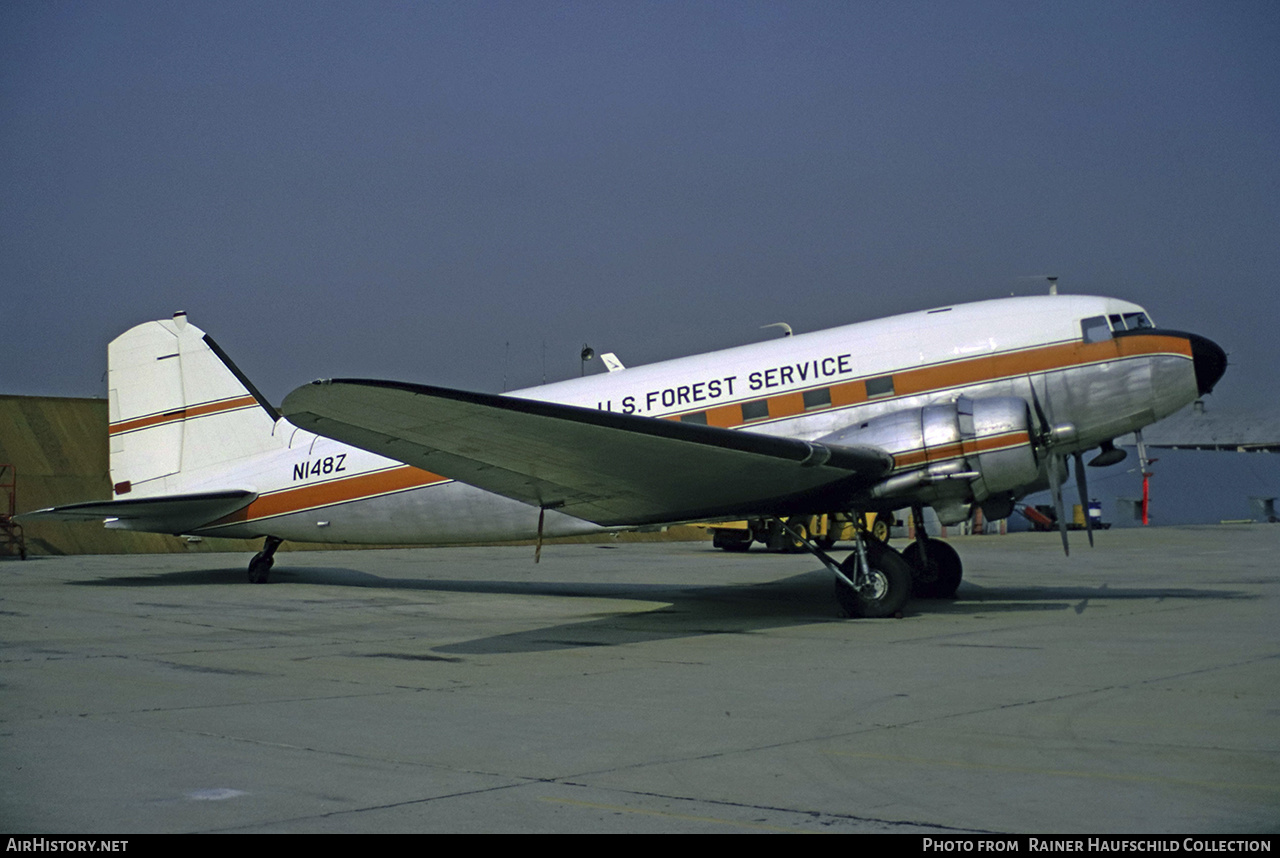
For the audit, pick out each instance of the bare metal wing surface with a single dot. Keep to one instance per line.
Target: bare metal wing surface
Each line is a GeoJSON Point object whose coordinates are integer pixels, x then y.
{"type": "Point", "coordinates": [601, 466]}
{"type": "Point", "coordinates": [176, 513]}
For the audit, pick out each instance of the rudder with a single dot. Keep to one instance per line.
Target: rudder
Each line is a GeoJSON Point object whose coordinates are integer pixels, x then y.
{"type": "Point", "coordinates": [180, 411]}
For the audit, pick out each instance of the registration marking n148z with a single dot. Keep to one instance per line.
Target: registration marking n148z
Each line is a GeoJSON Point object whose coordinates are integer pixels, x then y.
{"type": "Point", "coordinates": [320, 467]}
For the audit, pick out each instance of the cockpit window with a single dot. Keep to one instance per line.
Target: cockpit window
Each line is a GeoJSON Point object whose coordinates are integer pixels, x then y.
{"type": "Point", "coordinates": [1095, 329]}
{"type": "Point", "coordinates": [1130, 322]}
{"type": "Point", "coordinates": [1098, 328]}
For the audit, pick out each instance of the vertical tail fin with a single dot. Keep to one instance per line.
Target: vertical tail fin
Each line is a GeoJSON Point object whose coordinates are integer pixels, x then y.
{"type": "Point", "coordinates": [180, 410]}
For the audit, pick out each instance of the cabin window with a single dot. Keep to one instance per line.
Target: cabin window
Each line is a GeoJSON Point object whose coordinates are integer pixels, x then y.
{"type": "Point", "coordinates": [757, 410]}
{"type": "Point", "coordinates": [699, 417]}
{"type": "Point", "coordinates": [819, 398]}
{"type": "Point", "coordinates": [1095, 329]}
{"type": "Point", "coordinates": [882, 386]}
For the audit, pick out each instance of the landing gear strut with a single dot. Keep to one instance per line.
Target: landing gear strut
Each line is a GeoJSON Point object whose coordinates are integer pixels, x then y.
{"type": "Point", "coordinates": [874, 581]}
{"type": "Point", "coordinates": [260, 565]}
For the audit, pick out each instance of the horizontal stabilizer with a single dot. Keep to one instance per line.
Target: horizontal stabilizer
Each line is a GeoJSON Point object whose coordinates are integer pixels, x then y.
{"type": "Point", "coordinates": [601, 466]}
{"type": "Point", "coordinates": [168, 514]}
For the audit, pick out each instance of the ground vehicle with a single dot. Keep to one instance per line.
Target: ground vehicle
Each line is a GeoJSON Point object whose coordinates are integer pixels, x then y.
{"type": "Point", "coordinates": [826, 530]}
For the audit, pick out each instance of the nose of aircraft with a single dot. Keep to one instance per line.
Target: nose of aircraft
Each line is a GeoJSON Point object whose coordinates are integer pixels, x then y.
{"type": "Point", "coordinates": [1210, 362]}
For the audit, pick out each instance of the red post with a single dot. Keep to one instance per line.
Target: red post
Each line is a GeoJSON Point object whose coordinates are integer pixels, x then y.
{"type": "Point", "coordinates": [1146, 497]}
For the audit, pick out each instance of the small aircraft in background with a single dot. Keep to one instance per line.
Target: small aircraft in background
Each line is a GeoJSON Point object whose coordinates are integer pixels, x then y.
{"type": "Point", "coordinates": [971, 405]}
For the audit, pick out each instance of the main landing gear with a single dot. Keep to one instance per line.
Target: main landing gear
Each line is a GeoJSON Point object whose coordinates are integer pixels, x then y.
{"type": "Point", "coordinates": [260, 565]}
{"type": "Point", "coordinates": [876, 581]}
{"type": "Point", "coordinates": [873, 582]}
{"type": "Point", "coordinates": [936, 569]}
{"type": "Point", "coordinates": [881, 589]}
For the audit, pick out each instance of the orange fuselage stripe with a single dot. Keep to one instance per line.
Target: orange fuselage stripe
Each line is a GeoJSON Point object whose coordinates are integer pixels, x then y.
{"type": "Point", "coordinates": [361, 487]}
{"type": "Point", "coordinates": [967, 447]}
{"type": "Point", "coordinates": [958, 373]}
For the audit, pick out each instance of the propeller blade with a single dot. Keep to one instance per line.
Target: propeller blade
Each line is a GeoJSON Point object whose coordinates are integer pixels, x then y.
{"type": "Point", "coordinates": [1055, 485]}
{"type": "Point", "coordinates": [1083, 486]}
{"type": "Point", "coordinates": [1055, 463]}
{"type": "Point", "coordinates": [1040, 415]}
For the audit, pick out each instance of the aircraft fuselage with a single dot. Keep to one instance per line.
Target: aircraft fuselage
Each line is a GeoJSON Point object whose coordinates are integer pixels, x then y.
{"type": "Point", "coordinates": [1090, 368]}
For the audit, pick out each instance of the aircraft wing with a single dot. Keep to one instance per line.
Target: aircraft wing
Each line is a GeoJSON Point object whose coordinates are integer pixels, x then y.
{"type": "Point", "coordinates": [604, 467]}
{"type": "Point", "coordinates": [172, 513]}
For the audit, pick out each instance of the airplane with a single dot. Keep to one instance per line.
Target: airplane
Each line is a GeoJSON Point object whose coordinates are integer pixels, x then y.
{"type": "Point", "coordinates": [956, 407]}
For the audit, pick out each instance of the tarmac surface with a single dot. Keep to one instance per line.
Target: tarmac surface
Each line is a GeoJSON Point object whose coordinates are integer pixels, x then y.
{"type": "Point", "coordinates": [669, 687]}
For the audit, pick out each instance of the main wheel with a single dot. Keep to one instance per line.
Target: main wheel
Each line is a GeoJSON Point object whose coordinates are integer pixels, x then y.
{"type": "Point", "coordinates": [888, 587]}
{"type": "Point", "coordinates": [940, 578]}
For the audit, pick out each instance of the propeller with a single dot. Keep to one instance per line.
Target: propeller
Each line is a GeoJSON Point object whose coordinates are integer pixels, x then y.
{"type": "Point", "coordinates": [1083, 485]}
{"type": "Point", "coordinates": [1055, 485]}
{"type": "Point", "coordinates": [1055, 463]}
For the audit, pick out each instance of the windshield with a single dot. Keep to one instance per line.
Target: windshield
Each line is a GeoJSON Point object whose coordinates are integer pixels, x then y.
{"type": "Point", "coordinates": [1130, 322]}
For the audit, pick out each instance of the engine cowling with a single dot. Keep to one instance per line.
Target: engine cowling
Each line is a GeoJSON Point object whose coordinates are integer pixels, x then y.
{"type": "Point", "coordinates": [953, 455]}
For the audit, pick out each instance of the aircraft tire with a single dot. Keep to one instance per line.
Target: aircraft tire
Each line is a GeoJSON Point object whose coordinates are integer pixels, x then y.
{"type": "Point", "coordinates": [890, 585]}
{"type": "Point", "coordinates": [942, 577]}
{"type": "Point", "coordinates": [260, 568]}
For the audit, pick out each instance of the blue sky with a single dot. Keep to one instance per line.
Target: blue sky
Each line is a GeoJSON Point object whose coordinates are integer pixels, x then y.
{"type": "Point", "coordinates": [446, 192]}
{"type": "Point", "coordinates": [402, 189]}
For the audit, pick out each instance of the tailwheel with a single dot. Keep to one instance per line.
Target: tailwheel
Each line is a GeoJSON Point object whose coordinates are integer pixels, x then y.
{"type": "Point", "coordinates": [885, 589]}
{"type": "Point", "coordinates": [940, 576]}
{"type": "Point", "coordinates": [260, 565]}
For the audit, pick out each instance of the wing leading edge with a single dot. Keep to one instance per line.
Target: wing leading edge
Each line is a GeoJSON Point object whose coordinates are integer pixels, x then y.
{"type": "Point", "coordinates": [604, 467]}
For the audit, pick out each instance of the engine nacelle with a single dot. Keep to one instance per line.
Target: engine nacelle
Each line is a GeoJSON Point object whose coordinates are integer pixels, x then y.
{"type": "Point", "coordinates": [954, 454]}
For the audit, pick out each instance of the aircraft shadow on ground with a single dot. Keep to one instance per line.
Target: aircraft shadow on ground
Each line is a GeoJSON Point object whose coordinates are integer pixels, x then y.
{"type": "Point", "coordinates": [687, 610]}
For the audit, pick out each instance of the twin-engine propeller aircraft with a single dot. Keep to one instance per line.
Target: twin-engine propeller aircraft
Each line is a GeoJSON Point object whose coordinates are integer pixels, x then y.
{"type": "Point", "coordinates": [958, 407]}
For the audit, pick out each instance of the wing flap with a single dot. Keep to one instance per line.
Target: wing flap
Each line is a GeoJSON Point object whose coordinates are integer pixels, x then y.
{"type": "Point", "coordinates": [608, 468]}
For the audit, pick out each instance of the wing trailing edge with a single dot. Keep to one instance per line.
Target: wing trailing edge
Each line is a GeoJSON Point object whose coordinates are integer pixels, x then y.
{"type": "Point", "coordinates": [601, 466]}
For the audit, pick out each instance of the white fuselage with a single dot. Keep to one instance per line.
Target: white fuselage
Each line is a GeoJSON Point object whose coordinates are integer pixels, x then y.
{"type": "Point", "coordinates": [808, 386]}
